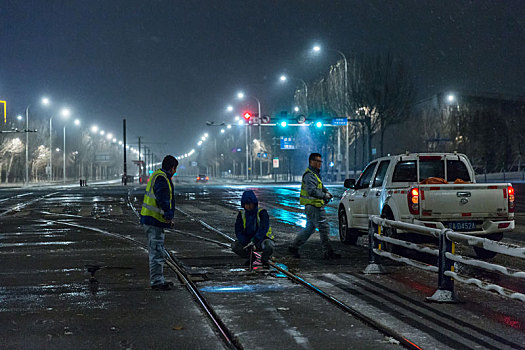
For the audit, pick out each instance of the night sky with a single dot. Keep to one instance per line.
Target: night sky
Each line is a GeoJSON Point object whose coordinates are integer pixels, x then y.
{"type": "Point", "coordinates": [169, 66]}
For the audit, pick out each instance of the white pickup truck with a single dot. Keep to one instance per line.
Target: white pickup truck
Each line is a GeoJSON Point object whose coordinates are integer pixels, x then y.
{"type": "Point", "coordinates": [429, 189]}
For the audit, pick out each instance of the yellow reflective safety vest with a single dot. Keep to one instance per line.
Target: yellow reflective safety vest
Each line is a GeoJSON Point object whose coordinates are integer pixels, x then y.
{"type": "Point", "coordinates": [269, 234]}
{"type": "Point", "coordinates": [305, 198]}
{"type": "Point", "coordinates": [149, 205]}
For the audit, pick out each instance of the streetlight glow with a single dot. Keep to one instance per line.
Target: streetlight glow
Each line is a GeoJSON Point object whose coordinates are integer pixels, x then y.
{"type": "Point", "coordinates": [222, 131]}
{"type": "Point", "coordinates": [19, 117]}
{"type": "Point", "coordinates": [229, 126]}
{"type": "Point", "coordinates": [283, 77]}
{"type": "Point", "coordinates": [206, 135]}
{"type": "Point", "coordinates": [296, 109]}
{"type": "Point", "coordinates": [45, 101]}
{"type": "Point", "coordinates": [316, 48]}
{"type": "Point", "coordinates": [94, 128]}
{"type": "Point", "coordinates": [102, 132]}
{"type": "Point", "coordinates": [240, 95]}
{"type": "Point", "coordinates": [77, 122]}
{"type": "Point", "coordinates": [451, 98]}
{"type": "Point", "coordinates": [65, 112]}
{"type": "Point", "coordinates": [229, 108]}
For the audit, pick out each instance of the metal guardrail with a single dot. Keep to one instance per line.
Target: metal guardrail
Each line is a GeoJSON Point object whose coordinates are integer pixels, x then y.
{"type": "Point", "coordinates": [446, 258]}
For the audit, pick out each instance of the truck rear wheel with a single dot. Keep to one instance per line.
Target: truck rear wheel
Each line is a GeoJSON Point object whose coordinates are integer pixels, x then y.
{"type": "Point", "coordinates": [346, 235]}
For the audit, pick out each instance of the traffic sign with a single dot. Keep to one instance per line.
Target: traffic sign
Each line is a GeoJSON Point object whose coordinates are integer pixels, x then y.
{"type": "Point", "coordinates": [265, 119]}
{"type": "Point", "coordinates": [339, 121]}
{"type": "Point", "coordinates": [276, 162]}
{"type": "Point", "coordinates": [287, 142]}
{"type": "Point", "coordinates": [5, 110]}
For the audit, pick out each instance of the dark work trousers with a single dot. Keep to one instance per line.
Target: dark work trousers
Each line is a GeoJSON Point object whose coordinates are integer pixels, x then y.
{"type": "Point", "coordinates": [315, 219]}
{"type": "Point", "coordinates": [266, 246]}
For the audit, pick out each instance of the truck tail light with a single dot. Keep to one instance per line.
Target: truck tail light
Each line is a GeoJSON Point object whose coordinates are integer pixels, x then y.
{"type": "Point", "coordinates": [413, 201]}
{"type": "Point", "coordinates": [510, 190]}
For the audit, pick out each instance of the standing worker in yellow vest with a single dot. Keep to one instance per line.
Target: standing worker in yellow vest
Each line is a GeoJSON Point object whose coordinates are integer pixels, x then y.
{"type": "Point", "coordinates": [253, 227]}
{"type": "Point", "coordinates": [158, 209]}
{"type": "Point", "coordinates": [314, 196]}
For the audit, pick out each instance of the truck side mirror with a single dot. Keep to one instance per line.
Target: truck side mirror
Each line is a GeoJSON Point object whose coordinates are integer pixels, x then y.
{"type": "Point", "coordinates": [349, 183]}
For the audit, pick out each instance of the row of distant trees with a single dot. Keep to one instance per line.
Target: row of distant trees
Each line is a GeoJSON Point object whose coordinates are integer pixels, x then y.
{"type": "Point", "coordinates": [81, 158]}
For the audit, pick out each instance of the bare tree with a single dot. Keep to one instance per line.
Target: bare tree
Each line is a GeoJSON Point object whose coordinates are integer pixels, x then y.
{"type": "Point", "coordinates": [383, 87]}
{"type": "Point", "coordinates": [10, 148]}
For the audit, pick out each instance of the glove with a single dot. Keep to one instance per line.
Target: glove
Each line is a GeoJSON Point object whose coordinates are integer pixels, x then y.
{"type": "Point", "coordinates": [249, 245]}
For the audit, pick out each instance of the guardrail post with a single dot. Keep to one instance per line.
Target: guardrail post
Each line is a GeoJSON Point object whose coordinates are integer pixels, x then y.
{"type": "Point", "coordinates": [445, 292]}
{"type": "Point", "coordinates": [373, 260]}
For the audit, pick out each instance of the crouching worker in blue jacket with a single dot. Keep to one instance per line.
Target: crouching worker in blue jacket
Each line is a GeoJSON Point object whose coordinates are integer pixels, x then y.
{"type": "Point", "coordinates": [253, 226]}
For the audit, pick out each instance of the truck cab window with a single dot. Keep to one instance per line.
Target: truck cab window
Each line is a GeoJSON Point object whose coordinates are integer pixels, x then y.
{"type": "Point", "coordinates": [431, 168]}
{"type": "Point", "coordinates": [405, 171]}
{"type": "Point", "coordinates": [366, 176]}
{"type": "Point", "coordinates": [380, 174]}
{"type": "Point", "coordinates": [456, 169]}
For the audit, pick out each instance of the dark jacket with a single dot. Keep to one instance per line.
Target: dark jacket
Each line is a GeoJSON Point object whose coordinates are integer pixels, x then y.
{"type": "Point", "coordinates": [162, 193]}
{"type": "Point", "coordinates": [253, 232]}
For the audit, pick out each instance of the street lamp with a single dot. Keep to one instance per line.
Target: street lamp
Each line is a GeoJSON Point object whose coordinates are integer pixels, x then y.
{"type": "Point", "coordinates": [27, 144]}
{"type": "Point", "coordinates": [66, 114]}
{"type": "Point", "coordinates": [284, 78]}
{"type": "Point", "coordinates": [229, 108]}
{"type": "Point", "coordinates": [241, 95]}
{"type": "Point", "coordinates": [46, 102]}
{"type": "Point", "coordinates": [317, 49]}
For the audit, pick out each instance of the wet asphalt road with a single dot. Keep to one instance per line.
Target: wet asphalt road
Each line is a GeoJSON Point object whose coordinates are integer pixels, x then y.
{"type": "Point", "coordinates": [264, 311]}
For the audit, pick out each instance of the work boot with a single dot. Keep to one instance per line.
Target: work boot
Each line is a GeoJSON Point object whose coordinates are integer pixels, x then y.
{"type": "Point", "coordinates": [294, 252]}
{"type": "Point", "coordinates": [168, 285]}
{"type": "Point", "coordinates": [328, 255]}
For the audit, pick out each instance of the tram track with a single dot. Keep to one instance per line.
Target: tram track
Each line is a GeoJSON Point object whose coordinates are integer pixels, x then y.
{"type": "Point", "coordinates": [20, 206]}
{"type": "Point", "coordinates": [449, 329]}
{"type": "Point", "coordinates": [298, 279]}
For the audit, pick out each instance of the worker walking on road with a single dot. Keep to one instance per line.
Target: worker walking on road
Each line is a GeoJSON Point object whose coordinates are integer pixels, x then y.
{"type": "Point", "coordinates": [314, 196]}
{"type": "Point", "coordinates": [253, 228]}
{"type": "Point", "coordinates": [158, 209]}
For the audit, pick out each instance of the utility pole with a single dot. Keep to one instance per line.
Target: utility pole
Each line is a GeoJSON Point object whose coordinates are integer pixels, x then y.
{"type": "Point", "coordinates": [140, 165]}
{"type": "Point", "coordinates": [125, 175]}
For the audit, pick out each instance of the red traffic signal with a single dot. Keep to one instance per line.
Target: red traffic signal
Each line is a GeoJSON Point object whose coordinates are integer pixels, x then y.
{"type": "Point", "coordinates": [247, 116]}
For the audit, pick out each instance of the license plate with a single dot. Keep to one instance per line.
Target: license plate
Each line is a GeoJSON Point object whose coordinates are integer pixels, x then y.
{"type": "Point", "coordinates": [462, 225]}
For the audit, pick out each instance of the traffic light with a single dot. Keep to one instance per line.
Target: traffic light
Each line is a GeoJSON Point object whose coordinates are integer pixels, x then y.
{"type": "Point", "coordinates": [247, 116]}
{"type": "Point", "coordinates": [319, 124]}
{"type": "Point", "coordinates": [283, 123]}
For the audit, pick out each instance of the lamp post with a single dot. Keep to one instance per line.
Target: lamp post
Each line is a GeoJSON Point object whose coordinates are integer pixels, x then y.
{"type": "Point", "coordinates": [240, 95]}
{"type": "Point", "coordinates": [317, 48]}
{"type": "Point", "coordinates": [46, 102]}
{"type": "Point", "coordinates": [283, 78]}
{"type": "Point", "coordinates": [27, 143]}
{"type": "Point", "coordinates": [65, 113]}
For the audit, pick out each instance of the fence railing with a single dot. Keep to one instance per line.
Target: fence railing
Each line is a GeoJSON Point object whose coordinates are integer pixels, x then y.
{"type": "Point", "coordinates": [446, 257]}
